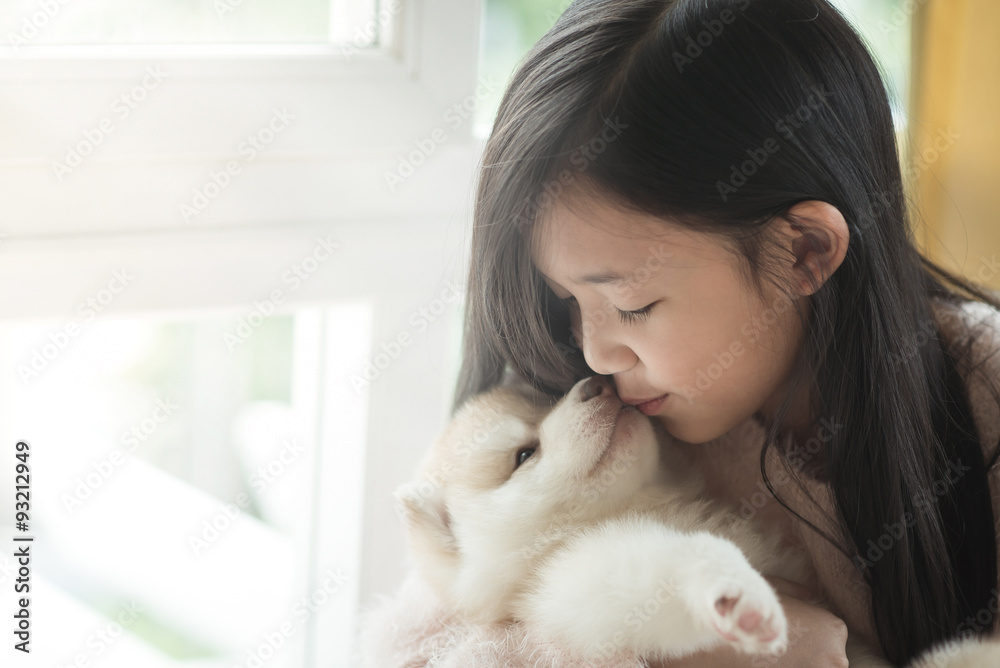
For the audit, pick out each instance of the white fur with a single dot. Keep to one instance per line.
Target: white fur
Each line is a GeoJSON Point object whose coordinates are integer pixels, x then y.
{"type": "Point", "coordinates": [638, 585]}
{"type": "Point", "coordinates": [600, 546]}
{"type": "Point", "coordinates": [967, 653]}
{"type": "Point", "coordinates": [414, 629]}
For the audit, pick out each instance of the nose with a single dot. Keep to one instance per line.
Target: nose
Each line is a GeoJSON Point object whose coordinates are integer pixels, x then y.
{"type": "Point", "coordinates": [596, 386]}
{"type": "Point", "coordinates": [604, 354]}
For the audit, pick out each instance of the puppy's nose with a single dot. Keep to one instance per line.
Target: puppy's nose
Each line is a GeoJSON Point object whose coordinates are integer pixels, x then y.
{"type": "Point", "coordinates": [596, 386]}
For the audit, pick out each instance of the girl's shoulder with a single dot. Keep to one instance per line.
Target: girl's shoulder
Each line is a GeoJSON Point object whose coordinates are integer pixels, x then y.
{"type": "Point", "coordinates": [968, 320]}
{"type": "Point", "coordinates": [971, 331]}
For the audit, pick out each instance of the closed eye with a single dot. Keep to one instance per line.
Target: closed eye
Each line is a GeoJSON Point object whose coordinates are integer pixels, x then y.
{"type": "Point", "coordinates": [627, 317]}
{"type": "Point", "coordinates": [630, 317]}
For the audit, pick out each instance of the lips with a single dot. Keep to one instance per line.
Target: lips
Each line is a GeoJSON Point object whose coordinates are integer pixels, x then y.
{"type": "Point", "coordinates": [649, 406]}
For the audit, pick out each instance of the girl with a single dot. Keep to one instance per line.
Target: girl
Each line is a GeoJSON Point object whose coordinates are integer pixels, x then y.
{"type": "Point", "coordinates": [702, 199]}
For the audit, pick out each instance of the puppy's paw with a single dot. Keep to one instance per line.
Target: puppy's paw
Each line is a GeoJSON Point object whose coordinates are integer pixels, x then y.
{"type": "Point", "coordinates": [747, 614]}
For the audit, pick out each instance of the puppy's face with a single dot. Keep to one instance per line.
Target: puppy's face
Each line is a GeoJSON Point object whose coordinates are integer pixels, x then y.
{"type": "Point", "coordinates": [509, 477]}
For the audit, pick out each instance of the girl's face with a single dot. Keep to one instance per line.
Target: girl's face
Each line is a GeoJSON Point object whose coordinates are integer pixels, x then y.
{"type": "Point", "coordinates": [663, 310]}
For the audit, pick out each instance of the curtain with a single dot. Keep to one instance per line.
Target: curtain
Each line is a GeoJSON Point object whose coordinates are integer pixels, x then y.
{"type": "Point", "coordinates": [952, 151]}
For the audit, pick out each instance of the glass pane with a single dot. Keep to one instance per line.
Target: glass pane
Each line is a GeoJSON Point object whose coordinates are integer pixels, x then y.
{"type": "Point", "coordinates": [143, 22]}
{"type": "Point", "coordinates": [172, 485]}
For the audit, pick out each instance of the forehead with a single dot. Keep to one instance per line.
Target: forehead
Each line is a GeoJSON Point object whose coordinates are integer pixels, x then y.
{"type": "Point", "coordinates": [493, 420]}
{"type": "Point", "coordinates": [476, 449]}
{"type": "Point", "coordinates": [577, 236]}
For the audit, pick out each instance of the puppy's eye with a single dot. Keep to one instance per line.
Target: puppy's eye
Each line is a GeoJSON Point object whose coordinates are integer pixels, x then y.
{"type": "Point", "coordinates": [523, 454]}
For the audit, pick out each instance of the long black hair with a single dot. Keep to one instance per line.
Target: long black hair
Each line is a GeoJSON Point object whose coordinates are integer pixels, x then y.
{"type": "Point", "coordinates": [722, 115]}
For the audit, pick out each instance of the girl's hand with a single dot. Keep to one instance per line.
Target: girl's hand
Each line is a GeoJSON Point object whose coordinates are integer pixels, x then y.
{"type": "Point", "coordinates": [816, 638]}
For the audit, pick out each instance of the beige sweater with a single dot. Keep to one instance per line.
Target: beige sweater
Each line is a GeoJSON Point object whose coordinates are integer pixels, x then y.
{"type": "Point", "coordinates": [411, 629]}
{"type": "Point", "coordinates": [733, 471]}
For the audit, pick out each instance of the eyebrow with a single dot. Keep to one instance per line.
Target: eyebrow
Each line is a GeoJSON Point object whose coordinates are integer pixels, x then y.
{"type": "Point", "coordinates": [602, 278]}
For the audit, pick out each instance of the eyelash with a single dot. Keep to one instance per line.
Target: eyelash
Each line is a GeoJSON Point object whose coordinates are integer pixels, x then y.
{"type": "Point", "coordinates": [627, 317]}
{"type": "Point", "coordinates": [631, 317]}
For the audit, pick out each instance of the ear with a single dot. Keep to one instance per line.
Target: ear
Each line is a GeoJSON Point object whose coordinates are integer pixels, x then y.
{"type": "Point", "coordinates": [422, 507]}
{"type": "Point", "coordinates": [514, 381]}
{"type": "Point", "coordinates": [816, 234]}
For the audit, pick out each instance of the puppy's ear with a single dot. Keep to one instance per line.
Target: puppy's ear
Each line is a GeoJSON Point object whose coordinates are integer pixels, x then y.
{"type": "Point", "coordinates": [514, 381]}
{"type": "Point", "coordinates": [422, 506]}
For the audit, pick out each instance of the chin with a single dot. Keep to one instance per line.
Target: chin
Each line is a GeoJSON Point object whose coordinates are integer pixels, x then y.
{"type": "Point", "coordinates": [694, 431]}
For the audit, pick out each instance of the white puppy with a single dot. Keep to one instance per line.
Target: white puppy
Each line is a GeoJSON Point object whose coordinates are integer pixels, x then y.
{"type": "Point", "coordinates": [579, 519]}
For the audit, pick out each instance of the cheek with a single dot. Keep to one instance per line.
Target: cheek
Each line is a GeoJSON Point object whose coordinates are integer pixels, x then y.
{"type": "Point", "coordinates": [698, 341]}
{"type": "Point", "coordinates": [716, 349]}
{"type": "Point", "coordinates": [769, 332]}
{"type": "Point", "coordinates": [576, 333]}
{"type": "Point", "coordinates": [754, 360]}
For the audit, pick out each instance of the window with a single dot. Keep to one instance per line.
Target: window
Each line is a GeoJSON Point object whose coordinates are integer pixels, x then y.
{"type": "Point", "coordinates": [217, 247]}
{"type": "Point", "coordinates": [104, 22]}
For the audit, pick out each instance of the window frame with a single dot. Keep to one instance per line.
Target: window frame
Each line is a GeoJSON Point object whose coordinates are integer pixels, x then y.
{"type": "Point", "coordinates": [60, 242]}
